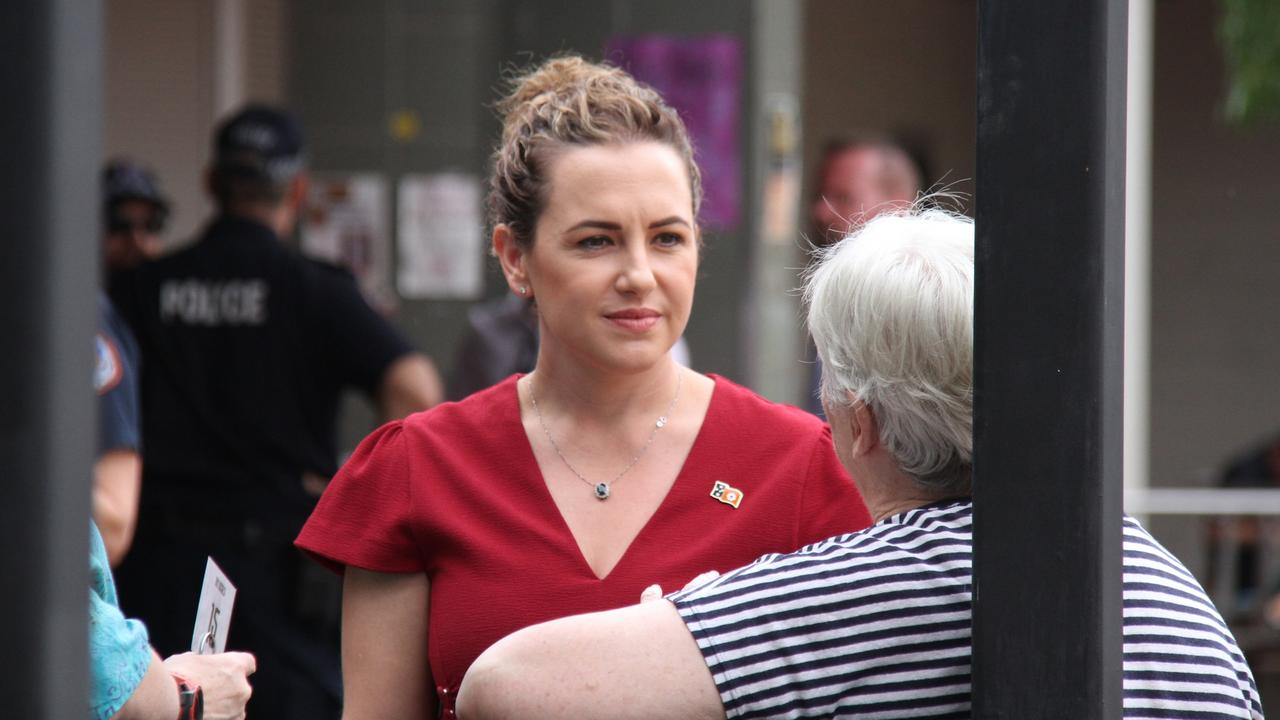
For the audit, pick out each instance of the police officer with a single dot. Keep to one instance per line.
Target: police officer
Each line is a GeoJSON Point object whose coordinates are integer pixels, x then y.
{"type": "Point", "coordinates": [134, 213]}
{"type": "Point", "coordinates": [246, 349]}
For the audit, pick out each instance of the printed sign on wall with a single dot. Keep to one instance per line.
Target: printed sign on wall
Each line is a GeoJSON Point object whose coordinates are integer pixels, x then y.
{"type": "Point", "coordinates": [440, 237]}
{"type": "Point", "coordinates": [345, 222]}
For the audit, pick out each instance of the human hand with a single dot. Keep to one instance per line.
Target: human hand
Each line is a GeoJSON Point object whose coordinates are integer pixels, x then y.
{"type": "Point", "coordinates": [654, 592]}
{"type": "Point", "coordinates": [1271, 611]}
{"type": "Point", "coordinates": [223, 677]}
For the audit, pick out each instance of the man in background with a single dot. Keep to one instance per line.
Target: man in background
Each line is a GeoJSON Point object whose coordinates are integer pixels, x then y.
{"type": "Point", "coordinates": [858, 178]}
{"type": "Point", "coordinates": [247, 348]}
{"type": "Point", "coordinates": [134, 214]}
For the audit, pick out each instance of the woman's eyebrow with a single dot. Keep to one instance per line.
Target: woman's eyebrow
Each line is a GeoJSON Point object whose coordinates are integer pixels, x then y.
{"type": "Point", "coordinates": [597, 224]}
{"type": "Point", "coordinates": [606, 225]}
{"type": "Point", "coordinates": [673, 220]}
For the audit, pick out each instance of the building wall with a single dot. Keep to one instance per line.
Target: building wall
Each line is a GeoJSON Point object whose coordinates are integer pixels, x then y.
{"type": "Point", "coordinates": [159, 96]}
{"type": "Point", "coordinates": [268, 27]}
{"type": "Point", "coordinates": [1215, 261]}
{"type": "Point", "coordinates": [907, 68]}
{"type": "Point", "coordinates": [161, 64]}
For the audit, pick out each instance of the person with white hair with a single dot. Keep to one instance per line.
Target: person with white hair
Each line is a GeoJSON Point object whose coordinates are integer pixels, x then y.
{"type": "Point", "coordinates": [874, 623]}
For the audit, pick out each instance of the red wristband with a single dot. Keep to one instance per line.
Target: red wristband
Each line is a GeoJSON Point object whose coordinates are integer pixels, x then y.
{"type": "Point", "coordinates": [190, 699]}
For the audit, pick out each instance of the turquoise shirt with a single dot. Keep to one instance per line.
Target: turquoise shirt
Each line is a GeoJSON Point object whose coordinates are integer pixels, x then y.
{"type": "Point", "coordinates": [118, 650]}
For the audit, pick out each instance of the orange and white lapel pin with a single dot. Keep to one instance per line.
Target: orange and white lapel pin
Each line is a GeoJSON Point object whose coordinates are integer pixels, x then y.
{"type": "Point", "coordinates": [727, 494]}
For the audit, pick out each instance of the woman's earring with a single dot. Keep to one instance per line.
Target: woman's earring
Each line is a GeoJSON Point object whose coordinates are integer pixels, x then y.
{"type": "Point", "coordinates": [523, 290]}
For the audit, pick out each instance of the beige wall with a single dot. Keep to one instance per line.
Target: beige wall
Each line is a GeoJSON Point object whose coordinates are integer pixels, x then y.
{"type": "Point", "coordinates": [161, 65]}
{"type": "Point", "coordinates": [159, 96]}
{"type": "Point", "coordinates": [907, 67]}
{"type": "Point", "coordinates": [266, 50]}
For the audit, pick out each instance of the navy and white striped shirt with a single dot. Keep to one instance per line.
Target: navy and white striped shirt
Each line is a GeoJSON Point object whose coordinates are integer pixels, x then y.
{"type": "Point", "coordinates": [876, 624]}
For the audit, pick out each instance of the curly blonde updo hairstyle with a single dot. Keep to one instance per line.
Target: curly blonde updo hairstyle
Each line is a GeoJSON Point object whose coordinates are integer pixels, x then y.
{"type": "Point", "coordinates": [569, 101]}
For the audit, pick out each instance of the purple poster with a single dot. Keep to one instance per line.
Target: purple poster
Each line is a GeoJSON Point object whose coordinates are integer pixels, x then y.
{"type": "Point", "coordinates": [701, 77]}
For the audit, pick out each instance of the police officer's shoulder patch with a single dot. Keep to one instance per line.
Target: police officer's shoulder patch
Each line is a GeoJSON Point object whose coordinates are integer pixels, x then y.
{"type": "Point", "coordinates": [108, 368]}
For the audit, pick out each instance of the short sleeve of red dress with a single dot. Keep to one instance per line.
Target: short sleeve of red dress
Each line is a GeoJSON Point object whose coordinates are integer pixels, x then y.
{"type": "Point", "coordinates": [363, 518]}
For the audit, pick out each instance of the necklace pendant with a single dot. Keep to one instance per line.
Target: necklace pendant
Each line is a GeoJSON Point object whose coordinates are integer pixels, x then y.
{"type": "Point", "coordinates": [602, 491]}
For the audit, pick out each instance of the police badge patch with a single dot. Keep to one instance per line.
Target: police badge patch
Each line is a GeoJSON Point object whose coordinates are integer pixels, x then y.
{"type": "Point", "coordinates": [108, 369]}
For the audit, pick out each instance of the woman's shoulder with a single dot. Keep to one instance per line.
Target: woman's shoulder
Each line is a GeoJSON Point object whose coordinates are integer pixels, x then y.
{"type": "Point", "coordinates": [744, 405]}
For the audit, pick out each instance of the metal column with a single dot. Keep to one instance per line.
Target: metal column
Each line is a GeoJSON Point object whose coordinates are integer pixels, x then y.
{"type": "Point", "coordinates": [51, 82]}
{"type": "Point", "coordinates": [1048, 388]}
{"type": "Point", "coordinates": [774, 338]}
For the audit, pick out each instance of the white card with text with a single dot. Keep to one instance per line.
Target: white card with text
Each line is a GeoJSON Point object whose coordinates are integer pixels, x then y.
{"type": "Point", "coordinates": [213, 614]}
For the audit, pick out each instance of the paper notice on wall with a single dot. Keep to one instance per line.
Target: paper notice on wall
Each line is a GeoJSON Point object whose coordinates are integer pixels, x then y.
{"type": "Point", "coordinates": [346, 222]}
{"type": "Point", "coordinates": [440, 237]}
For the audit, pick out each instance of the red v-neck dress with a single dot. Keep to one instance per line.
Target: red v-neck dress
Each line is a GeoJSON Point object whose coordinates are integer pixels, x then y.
{"type": "Point", "coordinates": [455, 492]}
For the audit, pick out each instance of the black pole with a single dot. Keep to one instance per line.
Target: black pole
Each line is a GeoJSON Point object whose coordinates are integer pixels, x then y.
{"type": "Point", "coordinates": [1047, 622]}
{"type": "Point", "coordinates": [51, 83]}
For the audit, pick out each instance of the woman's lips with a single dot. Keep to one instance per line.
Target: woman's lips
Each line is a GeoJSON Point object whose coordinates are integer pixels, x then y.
{"type": "Point", "coordinates": [634, 319]}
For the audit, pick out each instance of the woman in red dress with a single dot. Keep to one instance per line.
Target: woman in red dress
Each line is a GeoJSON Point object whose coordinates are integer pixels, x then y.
{"type": "Point", "coordinates": [606, 469]}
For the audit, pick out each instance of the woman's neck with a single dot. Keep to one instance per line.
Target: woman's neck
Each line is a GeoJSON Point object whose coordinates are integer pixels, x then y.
{"type": "Point", "coordinates": [590, 394]}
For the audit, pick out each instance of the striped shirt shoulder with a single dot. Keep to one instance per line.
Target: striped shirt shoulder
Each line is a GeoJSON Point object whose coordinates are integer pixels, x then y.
{"type": "Point", "coordinates": [877, 624]}
{"type": "Point", "coordinates": [1180, 659]}
{"type": "Point", "coordinates": [869, 624]}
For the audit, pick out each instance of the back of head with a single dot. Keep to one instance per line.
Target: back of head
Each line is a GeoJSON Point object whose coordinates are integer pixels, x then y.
{"type": "Point", "coordinates": [891, 313]}
{"type": "Point", "coordinates": [565, 102]}
{"type": "Point", "coordinates": [257, 152]}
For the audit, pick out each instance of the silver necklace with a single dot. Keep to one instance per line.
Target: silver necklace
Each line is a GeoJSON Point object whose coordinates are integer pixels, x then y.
{"type": "Point", "coordinates": [603, 489]}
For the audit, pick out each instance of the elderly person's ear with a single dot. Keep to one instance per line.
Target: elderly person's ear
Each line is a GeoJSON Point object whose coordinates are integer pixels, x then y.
{"type": "Point", "coordinates": [864, 428]}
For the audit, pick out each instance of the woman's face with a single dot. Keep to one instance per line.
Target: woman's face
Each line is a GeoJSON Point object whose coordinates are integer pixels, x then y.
{"type": "Point", "coordinates": [614, 255]}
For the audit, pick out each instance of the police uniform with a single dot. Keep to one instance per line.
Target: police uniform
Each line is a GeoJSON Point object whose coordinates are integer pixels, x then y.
{"type": "Point", "coordinates": [246, 349]}
{"type": "Point", "coordinates": [115, 380]}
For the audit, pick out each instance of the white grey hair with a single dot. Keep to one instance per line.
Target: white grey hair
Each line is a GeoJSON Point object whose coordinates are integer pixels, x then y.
{"type": "Point", "coordinates": [891, 313]}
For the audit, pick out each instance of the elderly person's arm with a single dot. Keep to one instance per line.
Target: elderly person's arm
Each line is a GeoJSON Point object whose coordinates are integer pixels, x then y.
{"type": "Point", "coordinates": [635, 662]}
{"type": "Point", "coordinates": [223, 679]}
